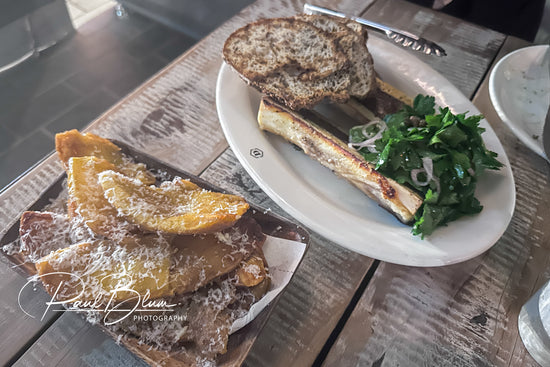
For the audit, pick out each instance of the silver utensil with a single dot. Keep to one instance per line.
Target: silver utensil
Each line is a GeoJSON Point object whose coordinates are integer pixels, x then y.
{"type": "Point", "coordinates": [400, 37]}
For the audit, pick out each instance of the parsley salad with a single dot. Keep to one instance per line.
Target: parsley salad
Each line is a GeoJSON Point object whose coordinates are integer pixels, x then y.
{"type": "Point", "coordinates": [441, 155]}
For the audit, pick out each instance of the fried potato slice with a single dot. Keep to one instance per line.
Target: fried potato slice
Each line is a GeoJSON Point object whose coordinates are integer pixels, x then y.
{"type": "Point", "coordinates": [252, 272]}
{"type": "Point", "coordinates": [86, 198]}
{"type": "Point", "coordinates": [74, 144]}
{"type": "Point", "coordinates": [150, 263]}
{"type": "Point", "coordinates": [99, 270]}
{"type": "Point", "coordinates": [178, 206]}
{"type": "Point", "coordinates": [202, 258]}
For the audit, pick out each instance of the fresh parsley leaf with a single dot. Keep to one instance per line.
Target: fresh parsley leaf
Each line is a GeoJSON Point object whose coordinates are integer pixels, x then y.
{"type": "Point", "coordinates": [451, 135]}
{"type": "Point", "coordinates": [455, 147]}
{"type": "Point", "coordinates": [424, 105]}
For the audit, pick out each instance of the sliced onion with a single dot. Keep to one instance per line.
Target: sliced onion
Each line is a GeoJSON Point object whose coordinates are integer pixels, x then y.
{"type": "Point", "coordinates": [414, 177]}
{"type": "Point", "coordinates": [372, 149]}
{"type": "Point", "coordinates": [373, 122]}
{"type": "Point", "coordinates": [369, 143]}
{"type": "Point", "coordinates": [427, 169]}
{"type": "Point", "coordinates": [437, 185]}
{"type": "Point", "coordinates": [428, 165]}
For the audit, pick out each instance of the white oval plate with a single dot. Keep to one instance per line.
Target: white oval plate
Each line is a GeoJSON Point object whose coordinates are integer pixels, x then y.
{"type": "Point", "coordinates": [334, 208]}
{"type": "Point", "coordinates": [519, 87]}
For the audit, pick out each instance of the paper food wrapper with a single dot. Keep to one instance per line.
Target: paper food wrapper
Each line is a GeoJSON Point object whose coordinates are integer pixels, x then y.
{"type": "Point", "coordinates": [283, 257]}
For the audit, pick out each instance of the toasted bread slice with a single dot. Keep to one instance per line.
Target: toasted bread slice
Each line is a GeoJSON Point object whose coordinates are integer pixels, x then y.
{"type": "Point", "coordinates": [352, 39]}
{"type": "Point", "coordinates": [303, 60]}
{"type": "Point", "coordinates": [268, 46]}
{"type": "Point", "coordinates": [337, 156]}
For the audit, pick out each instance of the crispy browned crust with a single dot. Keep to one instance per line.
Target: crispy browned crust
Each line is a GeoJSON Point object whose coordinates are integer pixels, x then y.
{"type": "Point", "coordinates": [29, 224]}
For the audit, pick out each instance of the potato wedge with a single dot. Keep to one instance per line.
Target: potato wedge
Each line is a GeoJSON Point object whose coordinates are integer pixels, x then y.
{"type": "Point", "coordinates": [252, 272]}
{"type": "Point", "coordinates": [74, 144]}
{"type": "Point", "coordinates": [178, 207]}
{"type": "Point", "coordinates": [86, 198]}
{"type": "Point", "coordinates": [97, 271]}
{"type": "Point", "coordinates": [199, 259]}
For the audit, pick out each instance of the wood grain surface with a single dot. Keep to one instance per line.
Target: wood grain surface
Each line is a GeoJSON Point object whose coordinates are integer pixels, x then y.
{"type": "Point", "coordinates": [173, 117]}
{"type": "Point", "coordinates": [464, 314]}
{"type": "Point", "coordinates": [24, 327]}
{"type": "Point", "coordinates": [60, 345]}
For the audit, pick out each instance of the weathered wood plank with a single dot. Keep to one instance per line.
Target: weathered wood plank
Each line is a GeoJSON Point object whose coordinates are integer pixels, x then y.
{"type": "Point", "coordinates": [59, 346]}
{"type": "Point", "coordinates": [512, 145]}
{"type": "Point", "coordinates": [23, 327]}
{"type": "Point", "coordinates": [227, 173]}
{"type": "Point", "coordinates": [465, 314]}
{"type": "Point", "coordinates": [316, 298]}
{"type": "Point", "coordinates": [470, 48]}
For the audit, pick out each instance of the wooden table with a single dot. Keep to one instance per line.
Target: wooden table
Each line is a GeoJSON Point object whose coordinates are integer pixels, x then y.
{"type": "Point", "coordinates": [341, 309]}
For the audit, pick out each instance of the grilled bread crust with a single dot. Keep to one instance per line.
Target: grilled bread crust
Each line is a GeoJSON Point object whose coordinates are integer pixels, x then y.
{"type": "Point", "coordinates": [303, 60]}
{"type": "Point", "coordinates": [352, 38]}
{"type": "Point", "coordinates": [338, 157]}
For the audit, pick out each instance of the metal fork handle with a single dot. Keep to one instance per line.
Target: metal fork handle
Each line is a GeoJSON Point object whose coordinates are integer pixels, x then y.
{"type": "Point", "coordinates": [402, 37]}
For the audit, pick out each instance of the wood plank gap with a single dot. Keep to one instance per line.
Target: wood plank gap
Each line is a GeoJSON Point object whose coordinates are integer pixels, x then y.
{"type": "Point", "coordinates": [345, 316]}
{"type": "Point", "coordinates": [31, 341]}
{"type": "Point", "coordinates": [362, 13]}
{"type": "Point", "coordinates": [487, 71]}
{"type": "Point", "coordinates": [207, 166]}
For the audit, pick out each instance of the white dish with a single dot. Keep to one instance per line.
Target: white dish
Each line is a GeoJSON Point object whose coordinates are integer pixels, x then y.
{"type": "Point", "coordinates": [519, 87]}
{"type": "Point", "coordinates": [334, 208]}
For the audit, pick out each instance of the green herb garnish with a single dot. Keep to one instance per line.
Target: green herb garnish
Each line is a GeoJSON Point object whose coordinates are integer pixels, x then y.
{"type": "Point", "coordinates": [417, 140]}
